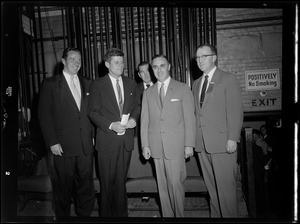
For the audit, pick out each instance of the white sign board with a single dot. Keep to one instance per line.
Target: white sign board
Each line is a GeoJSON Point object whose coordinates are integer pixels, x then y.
{"type": "Point", "coordinates": [262, 80]}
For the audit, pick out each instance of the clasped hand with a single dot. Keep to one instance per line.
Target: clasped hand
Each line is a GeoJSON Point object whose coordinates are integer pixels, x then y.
{"type": "Point", "coordinates": [120, 128]}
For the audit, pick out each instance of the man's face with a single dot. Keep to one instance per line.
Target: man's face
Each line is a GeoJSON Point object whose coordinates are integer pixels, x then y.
{"type": "Point", "coordinates": [263, 131]}
{"type": "Point", "coordinates": [205, 59]}
{"type": "Point", "coordinates": [115, 66]}
{"type": "Point", "coordinates": [73, 62]}
{"type": "Point", "coordinates": [255, 137]}
{"type": "Point", "coordinates": [144, 73]}
{"type": "Point", "coordinates": [161, 69]}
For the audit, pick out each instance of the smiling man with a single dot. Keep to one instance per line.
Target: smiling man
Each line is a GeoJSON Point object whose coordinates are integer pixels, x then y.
{"type": "Point", "coordinates": [113, 96]}
{"type": "Point", "coordinates": [219, 116]}
{"type": "Point", "coordinates": [168, 134]}
{"type": "Point", "coordinates": [68, 133]}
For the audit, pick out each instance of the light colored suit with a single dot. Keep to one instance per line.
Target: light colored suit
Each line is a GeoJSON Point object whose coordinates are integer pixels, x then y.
{"type": "Point", "coordinates": [167, 130]}
{"type": "Point", "coordinates": [219, 119]}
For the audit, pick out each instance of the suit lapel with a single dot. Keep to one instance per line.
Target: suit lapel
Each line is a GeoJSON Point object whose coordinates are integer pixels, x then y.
{"type": "Point", "coordinates": [66, 91]}
{"type": "Point", "coordinates": [109, 91]}
{"type": "Point", "coordinates": [169, 92]}
{"type": "Point", "coordinates": [155, 94]}
{"type": "Point", "coordinates": [83, 91]}
{"type": "Point", "coordinates": [126, 94]}
{"type": "Point", "coordinates": [82, 88]}
{"type": "Point", "coordinates": [214, 82]}
{"type": "Point", "coordinates": [197, 93]}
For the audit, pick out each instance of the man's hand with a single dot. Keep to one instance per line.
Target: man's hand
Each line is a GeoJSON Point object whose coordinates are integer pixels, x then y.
{"type": "Point", "coordinates": [146, 153]}
{"type": "Point", "coordinates": [118, 127]}
{"type": "Point", "coordinates": [131, 123]}
{"type": "Point", "coordinates": [56, 150]}
{"type": "Point", "coordinates": [188, 152]}
{"type": "Point", "coordinates": [231, 146]}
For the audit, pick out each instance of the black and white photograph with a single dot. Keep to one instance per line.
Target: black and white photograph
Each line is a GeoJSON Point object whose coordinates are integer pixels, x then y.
{"type": "Point", "coordinates": [149, 111]}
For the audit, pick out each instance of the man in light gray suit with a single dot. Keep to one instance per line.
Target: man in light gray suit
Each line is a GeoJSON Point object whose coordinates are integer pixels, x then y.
{"type": "Point", "coordinates": [219, 116]}
{"type": "Point", "coordinates": [168, 134]}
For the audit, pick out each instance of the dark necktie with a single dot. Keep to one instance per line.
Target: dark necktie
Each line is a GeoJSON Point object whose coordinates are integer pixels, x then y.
{"type": "Point", "coordinates": [120, 101]}
{"type": "Point", "coordinates": [203, 90]}
{"type": "Point", "coordinates": [162, 94]}
{"type": "Point", "coordinates": [147, 85]}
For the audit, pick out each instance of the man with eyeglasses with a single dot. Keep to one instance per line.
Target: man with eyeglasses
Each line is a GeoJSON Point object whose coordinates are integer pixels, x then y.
{"type": "Point", "coordinates": [219, 119]}
{"type": "Point", "coordinates": [68, 132]}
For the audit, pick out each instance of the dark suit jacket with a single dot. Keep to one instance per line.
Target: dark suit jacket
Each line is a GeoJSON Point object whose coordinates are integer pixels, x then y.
{"type": "Point", "coordinates": [61, 121]}
{"type": "Point", "coordinates": [103, 110]}
{"type": "Point", "coordinates": [140, 89]}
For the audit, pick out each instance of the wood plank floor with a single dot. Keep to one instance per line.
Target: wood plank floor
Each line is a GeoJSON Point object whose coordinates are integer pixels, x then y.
{"type": "Point", "coordinates": [136, 208]}
{"type": "Point", "coordinates": [196, 207]}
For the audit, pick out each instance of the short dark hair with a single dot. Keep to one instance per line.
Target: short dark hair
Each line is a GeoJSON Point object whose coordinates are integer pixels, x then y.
{"type": "Point", "coordinates": [67, 50]}
{"type": "Point", "coordinates": [153, 78]}
{"type": "Point", "coordinates": [111, 53]}
{"type": "Point", "coordinates": [160, 56]}
{"type": "Point", "coordinates": [142, 64]}
{"type": "Point", "coordinates": [212, 48]}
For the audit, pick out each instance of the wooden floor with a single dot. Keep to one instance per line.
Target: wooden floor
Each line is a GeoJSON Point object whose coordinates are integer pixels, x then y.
{"type": "Point", "coordinates": [137, 207]}
{"type": "Point", "coordinates": [196, 206]}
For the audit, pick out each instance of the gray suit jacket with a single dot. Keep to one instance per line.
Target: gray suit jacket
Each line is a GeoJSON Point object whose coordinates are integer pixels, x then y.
{"type": "Point", "coordinates": [171, 128]}
{"type": "Point", "coordinates": [221, 115]}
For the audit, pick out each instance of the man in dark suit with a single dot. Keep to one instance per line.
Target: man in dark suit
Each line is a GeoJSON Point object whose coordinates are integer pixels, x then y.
{"type": "Point", "coordinates": [219, 117]}
{"type": "Point", "coordinates": [112, 97]}
{"type": "Point", "coordinates": [145, 73]}
{"type": "Point", "coordinates": [68, 132]}
{"type": "Point", "coordinates": [168, 134]}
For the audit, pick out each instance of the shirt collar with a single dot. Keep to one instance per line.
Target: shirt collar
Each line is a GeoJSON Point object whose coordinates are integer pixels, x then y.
{"type": "Point", "coordinates": [68, 77]}
{"type": "Point", "coordinates": [145, 84]}
{"type": "Point", "coordinates": [114, 80]}
{"type": "Point", "coordinates": [166, 82]}
{"type": "Point", "coordinates": [210, 74]}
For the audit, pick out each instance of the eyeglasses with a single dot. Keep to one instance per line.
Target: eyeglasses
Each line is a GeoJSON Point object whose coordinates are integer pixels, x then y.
{"type": "Point", "coordinates": [203, 56]}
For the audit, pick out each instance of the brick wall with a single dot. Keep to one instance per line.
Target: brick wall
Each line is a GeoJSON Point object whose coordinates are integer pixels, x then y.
{"type": "Point", "coordinates": [252, 44]}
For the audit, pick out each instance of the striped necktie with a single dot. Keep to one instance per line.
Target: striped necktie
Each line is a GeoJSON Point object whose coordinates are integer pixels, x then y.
{"type": "Point", "coordinates": [120, 100]}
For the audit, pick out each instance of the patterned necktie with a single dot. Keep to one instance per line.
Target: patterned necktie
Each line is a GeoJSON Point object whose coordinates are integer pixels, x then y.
{"type": "Point", "coordinates": [162, 94]}
{"type": "Point", "coordinates": [75, 91]}
{"type": "Point", "coordinates": [203, 90]}
{"type": "Point", "coordinates": [120, 97]}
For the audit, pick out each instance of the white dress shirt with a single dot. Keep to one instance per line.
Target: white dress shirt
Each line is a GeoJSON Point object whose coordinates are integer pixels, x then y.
{"type": "Point", "coordinates": [145, 85]}
{"type": "Point", "coordinates": [166, 84]}
{"type": "Point", "coordinates": [76, 82]}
